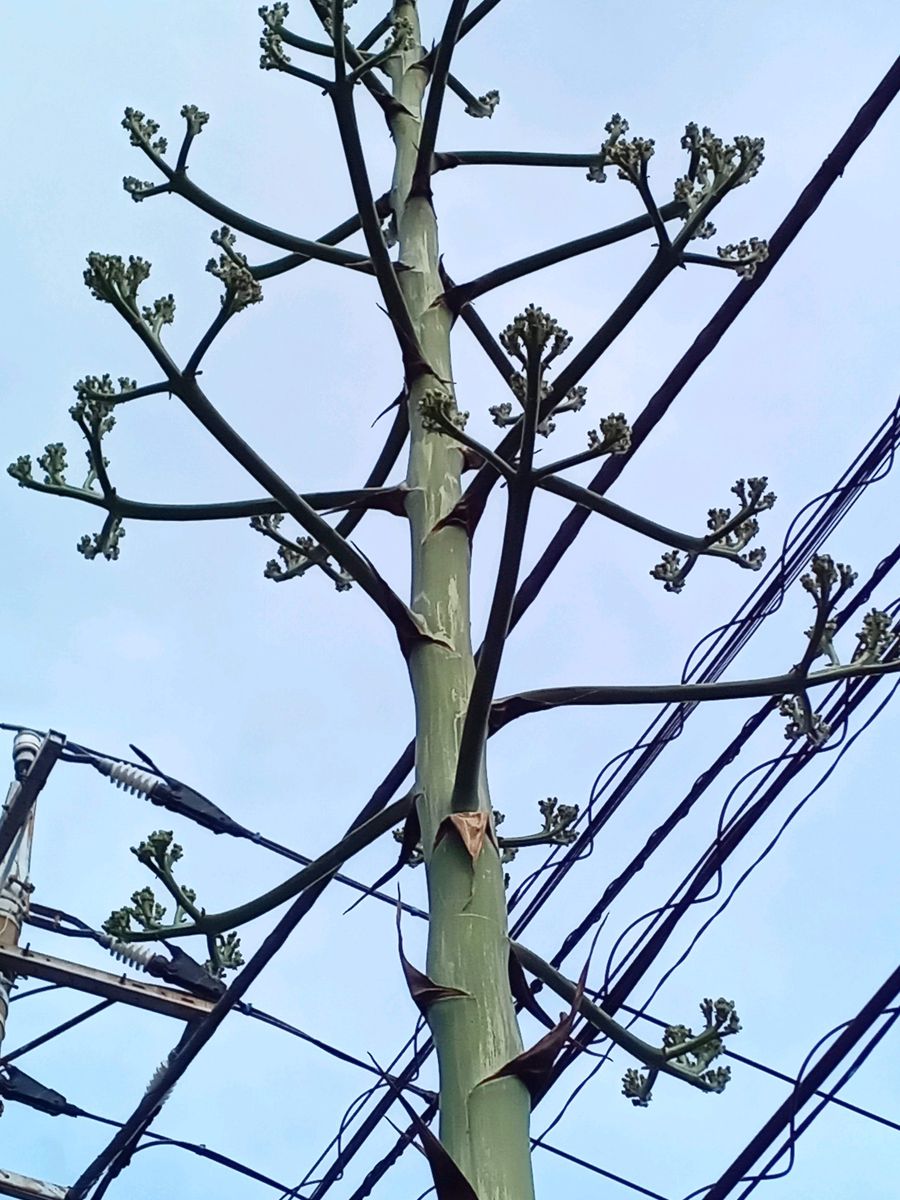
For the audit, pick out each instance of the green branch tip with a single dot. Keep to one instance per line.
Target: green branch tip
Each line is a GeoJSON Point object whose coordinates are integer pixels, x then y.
{"type": "Point", "coordinates": [100, 389]}
{"type": "Point", "coordinates": [745, 256]}
{"type": "Point", "coordinates": [728, 535]}
{"type": "Point", "coordinates": [483, 106]}
{"type": "Point", "coordinates": [558, 829]}
{"type": "Point", "coordinates": [629, 157]}
{"type": "Point", "coordinates": [440, 413]}
{"type": "Point", "coordinates": [534, 331]}
{"type": "Point", "coordinates": [274, 17]}
{"type": "Point", "coordinates": [159, 852]}
{"type": "Point", "coordinates": [105, 543]}
{"type": "Point", "coordinates": [691, 1052]}
{"type": "Point", "coordinates": [297, 555]}
{"type": "Point", "coordinates": [241, 287]}
{"type": "Point", "coordinates": [143, 130]}
{"type": "Point", "coordinates": [195, 118]}
{"type": "Point", "coordinates": [274, 56]}
{"type": "Point", "coordinates": [613, 435]}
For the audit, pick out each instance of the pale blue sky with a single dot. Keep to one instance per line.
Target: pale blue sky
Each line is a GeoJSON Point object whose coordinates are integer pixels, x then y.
{"type": "Point", "coordinates": [286, 704]}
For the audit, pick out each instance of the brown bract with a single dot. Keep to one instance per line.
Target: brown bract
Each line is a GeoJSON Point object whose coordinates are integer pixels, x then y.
{"type": "Point", "coordinates": [533, 1066]}
{"type": "Point", "coordinates": [424, 991]}
{"type": "Point", "coordinates": [470, 827]}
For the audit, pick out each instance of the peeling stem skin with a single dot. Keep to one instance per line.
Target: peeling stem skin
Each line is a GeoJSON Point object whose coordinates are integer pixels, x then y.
{"type": "Point", "coordinates": [485, 1129]}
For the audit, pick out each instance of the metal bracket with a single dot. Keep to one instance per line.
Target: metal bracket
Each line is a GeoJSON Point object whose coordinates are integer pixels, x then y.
{"type": "Point", "coordinates": [21, 1186]}
{"type": "Point", "coordinates": [171, 1003]}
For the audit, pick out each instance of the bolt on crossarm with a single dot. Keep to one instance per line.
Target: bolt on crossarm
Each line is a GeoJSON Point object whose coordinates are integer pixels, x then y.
{"type": "Point", "coordinates": [484, 1126]}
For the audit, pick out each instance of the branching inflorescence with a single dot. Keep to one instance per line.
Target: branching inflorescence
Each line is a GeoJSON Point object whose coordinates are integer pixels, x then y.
{"type": "Point", "coordinates": [459, 712]}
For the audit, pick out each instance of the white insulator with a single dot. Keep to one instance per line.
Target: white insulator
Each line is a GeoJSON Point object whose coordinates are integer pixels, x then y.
{"type": "Point", "coordinates": [25, 749]}
{"type": "Point", "coordinates": [129, 952]}
{"type": "Point", "coordinates": [156, 1075]}
{"type": "Point", "coordinates": [133, 779]}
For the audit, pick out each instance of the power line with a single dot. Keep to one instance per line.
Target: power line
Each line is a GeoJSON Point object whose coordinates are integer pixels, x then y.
{"type": "Point", "coordinates": [841, 1047]}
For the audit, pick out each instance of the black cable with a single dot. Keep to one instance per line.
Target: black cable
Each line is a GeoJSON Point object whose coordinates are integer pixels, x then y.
{"type": "Point", "coordinates": [45, 987]}
{"type": "Point", "coordinates": [589, 1166]}
{"type": "Point", "coordinates": [851, 1032]}
{"type": "Point", "coordinates": [766, 1174]}
{"type": "Point", "coordinates": [63, 1027]}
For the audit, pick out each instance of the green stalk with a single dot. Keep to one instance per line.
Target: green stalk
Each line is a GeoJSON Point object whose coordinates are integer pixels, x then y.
{"type": "Point", "coordinates": [484, 1128]}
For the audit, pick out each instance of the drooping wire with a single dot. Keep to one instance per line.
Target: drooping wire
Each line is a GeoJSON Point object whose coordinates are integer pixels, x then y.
{"type": "Point", "coordinates": [877, 460]}
{"type": "Point", "coordinates": [892, 1013]}
{"type": "Point", "coordinates": [796, 1130]}
{"type": "Point", "coordinates": [677, 908]}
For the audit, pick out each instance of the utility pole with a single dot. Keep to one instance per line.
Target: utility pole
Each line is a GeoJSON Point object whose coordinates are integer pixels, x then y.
{"type": "Point", "coordinates": [33, 758]}
{"type": "Point", "coordinates": [16, 863]}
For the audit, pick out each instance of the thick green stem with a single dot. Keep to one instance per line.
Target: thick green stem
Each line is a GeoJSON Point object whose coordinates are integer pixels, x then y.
{"type": "Point", "coordinates": [485, 1128]}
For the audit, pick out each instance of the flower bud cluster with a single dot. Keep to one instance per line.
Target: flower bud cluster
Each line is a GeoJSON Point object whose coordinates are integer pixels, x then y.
{"type": "Point", "coordinates": [483, 106]}
{"type": "Point", "coordinates": [716, 166]}
{"type": "Point", "coordinates": [559, 821]}
{"type": "Point", "coordinates": [92, 545]}
{"type": "Point", "coordinates": [241, 289]}
{"type": "Point", "coordinates": [137, 188]}
{"type": "Point", "coordinates": [746, 255]}
{"type": "Point", "coordinates": [112, 281]}
{"type": "Point", "coordinates": [274, 55]}
{"type": "Point", "coordinates": [143, 130]}
{"type": "Point", "coordinates": [274, 17]}
{"type": "Point", "coordinates": [297, 556]}
{"type": "Point", "coordinates": [802, 722]}
{"type": "Point", "coordinates": [614, 436]}
{"type": "Point", "coordinates": [631, 157]}
{"type": "Point", "coordinates": [402, 35]}
{"type": "Point", "coordinates": [440, 413]}
{"type": "Point", "coordinates": [160, 312]}
{"type": "Point", "coordinates": [636, 1087]}
{"type": "Point", "coordinates": [672, 571]}
{"type": "Point", "coordinates": [691, 1052]}
{"type": "Point", "coordinates": [159, 848]}
{"type": "Point", "coordinates": [874, 637]}
{"type": "Point", "coordinates": [824, 575]}
{"type": "Point", "coordinates": [534, 331]}
{"type": "Point", "coordinates": [615, 128]}
{"type": "Point", "coordinates": [195, 118]}
{"type": "Point", "coordinates": [94, 413]}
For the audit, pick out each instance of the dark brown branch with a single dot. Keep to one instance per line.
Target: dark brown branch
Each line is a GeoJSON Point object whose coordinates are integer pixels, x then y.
{"type": "Point", "coordinates": [715, 329]}
{"type": "Point", "coordinates": [374, 33]}
{"type": "Point", "coordinates": [463, 293]}
{"type": "Point", "coordinates": [632, 520]}
{"type": "Point", "coordinates": [340, 232]}
{"type": "Point", "coordinates": [474, 499]}
{"type": "Point", "coordinates": [388, 499]}
{"type": "Point", "coordinates": [520, 490]}
{"type": "Point", "coordinates": [445, 160]}
{"type": "Point", "coordinates": [347, 556]}
{"type": "Point", "coordinates": [512, 707]}
{"type": "Point", "coordinates": [421, 178]}
{"type": "Point", "coordinates": [478, 13]}
{"type": "Point", "coordinates": [413, 360]}
{"type": "Point", "coordinates": [181, 184]}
